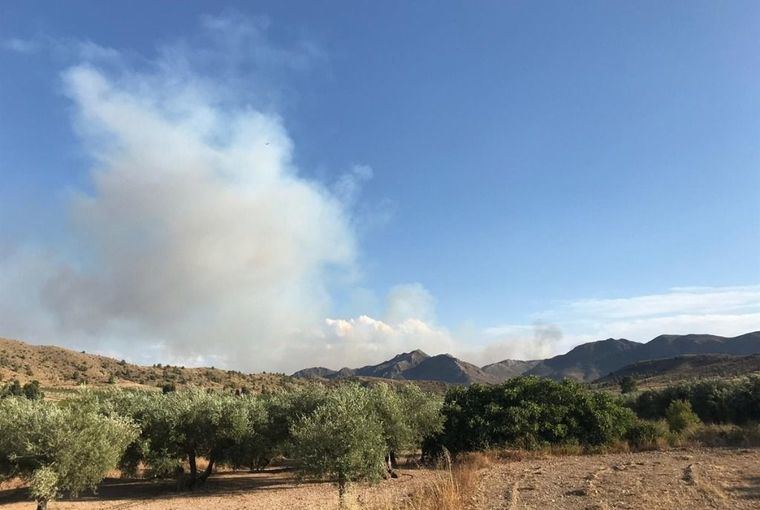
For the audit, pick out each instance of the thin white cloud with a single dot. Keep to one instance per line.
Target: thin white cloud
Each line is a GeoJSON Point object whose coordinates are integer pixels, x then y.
{"type": "Point", "coordinates": [19, 45]}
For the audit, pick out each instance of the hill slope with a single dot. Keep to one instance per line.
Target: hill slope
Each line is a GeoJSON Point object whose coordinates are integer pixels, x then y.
{"type": "Point", "coordinates": [60, 368]}
{"type": "Point", "coordinates": [693, 366]}
{"type": "Point", "coordinates": [593, 360]}
{"type": "Point", "coordinates": [503, 370]}
{"type": "Point", "coordinates": [447, 368]}
{"type": "Point", "coordinates": [411, 366]}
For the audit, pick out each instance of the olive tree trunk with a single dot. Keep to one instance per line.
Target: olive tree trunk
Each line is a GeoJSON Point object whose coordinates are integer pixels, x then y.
{"type": "Point", "coordinates": [193, 469]}
{"type": "Point", "coordinates": [209, 469]}
{"type": "Point", "coordinates": [342, 491]}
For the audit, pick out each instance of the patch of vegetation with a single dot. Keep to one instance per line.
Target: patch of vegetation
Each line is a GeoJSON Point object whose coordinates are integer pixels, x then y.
{"type": "Point", "coordinates": [628, 384]}
{"type": "Point", "coordinates": [680, 416]}
{"type": "Point", "coordinates": [59, 449]}
{"type": "Point", "coordinates": [714, 401]}
{"type": "Point", "coordinates": [30, 390]}
{"type": "Point", "coordinates": [529, 412]}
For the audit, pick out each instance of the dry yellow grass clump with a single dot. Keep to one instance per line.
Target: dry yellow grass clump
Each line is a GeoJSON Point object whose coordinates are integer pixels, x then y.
{"type": "Point", "coordinates": [451, 488]}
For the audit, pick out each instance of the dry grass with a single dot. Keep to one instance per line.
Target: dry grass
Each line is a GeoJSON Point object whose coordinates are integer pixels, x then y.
{"type": "Point", "coordinates": [726, 435]}
{"type": "Point", "coordinates": [451, 489]}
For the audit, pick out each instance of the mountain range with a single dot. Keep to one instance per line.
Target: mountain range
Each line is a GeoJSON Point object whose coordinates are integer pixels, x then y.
{"type": "Point", "coordinates": [586, 362]}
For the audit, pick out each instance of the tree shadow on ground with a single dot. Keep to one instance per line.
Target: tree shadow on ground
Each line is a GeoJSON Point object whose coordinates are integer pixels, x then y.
{"type": "Point", "coordinates": [749, 491]}
{"type": "Point", "coordinates": [223, 483]}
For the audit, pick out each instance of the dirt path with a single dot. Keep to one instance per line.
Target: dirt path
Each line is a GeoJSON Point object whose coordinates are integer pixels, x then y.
{"type": "Point", "coordinates": [680, 479]}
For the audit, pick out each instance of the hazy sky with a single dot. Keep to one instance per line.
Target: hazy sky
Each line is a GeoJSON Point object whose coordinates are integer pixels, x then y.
{"type": "Point", "coordinates": [271, 185]}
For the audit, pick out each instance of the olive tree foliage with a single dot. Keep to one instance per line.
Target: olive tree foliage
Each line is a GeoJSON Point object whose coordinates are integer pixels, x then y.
{"type": "Point", "coordinates": [182, 426]}
{"type": "Point", "coordinates": [283, 410]}
{"type": "Point", "coordinates": [342, 439]}
{"type": "Point", "coordinates": [407, 416]}
{"type": "Point", "coordinates": [60, 448]}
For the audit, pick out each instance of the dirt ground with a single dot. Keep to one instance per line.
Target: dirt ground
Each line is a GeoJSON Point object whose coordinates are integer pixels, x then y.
{"type": "Point", "coordinates": [676, 479]}
{"type": "Point", "coordinates": [269, 490]}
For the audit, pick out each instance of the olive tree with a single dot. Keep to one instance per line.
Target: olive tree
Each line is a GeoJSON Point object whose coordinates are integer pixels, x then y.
{"type": "Point", "coordinates": [407, 416]}
{"type": "Point", "coordinates": [183, 425]}
{"type": "Point", "coordinates": [342, 439]}
{"type": "Point", "coordinates": [59, 448]}
{"type": "Point", "coordinates": [254, 448]}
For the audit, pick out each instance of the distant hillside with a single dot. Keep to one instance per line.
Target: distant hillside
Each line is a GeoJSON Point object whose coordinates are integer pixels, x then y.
{"type": "Point", "coordinates": [61, 368]}
{"type": "Point", "coordinates": [585, 362]}
{"type": "Point", "coordinates": [503, 370]}
{"type": "Point", "coordinates": [394, 368]}
{"type": "Point", "coordinates": [693, 366]}
{"type": "Point", "coordinates": [589, 361]}
{"type": "Point", "coordinates": [58, 367]}
{"type": "Point", "coordinates": [314, 373]}
{"type": "Point", "coordinates": [593, 360]}
{"type": "Point", "coordinates": [448, 369]}
{"type": "Point", "coordinates": [410, 366]}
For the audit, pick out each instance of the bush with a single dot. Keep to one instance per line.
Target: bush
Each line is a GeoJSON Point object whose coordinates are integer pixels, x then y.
{"type": "Point", "coordinates": [647, 435]}
{"type": "Point", "coordinates": [32, 390]}
{"type": "Point", "coordinates": [628, 384]}
{"type": "Point", "coordinates": [12, 389]}
{"type": "Point", "coordinates": [529, 412]}
{"type": "Point", "coordinates": [714, 401]}
{"type": "Point", "coordinates": [680, 416]}
{"type": "Point", "coordinates": [59, 449]}
{"type": "Point", "coordinates": [747, 435]}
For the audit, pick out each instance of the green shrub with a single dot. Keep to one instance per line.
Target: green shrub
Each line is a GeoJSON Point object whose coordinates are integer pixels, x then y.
{"type": "Point", "coordinates": [32, 390]}
{"type": "Point", "coordinates": [747, 435]}
{"type": "Point", "coordinates": [680, 416]}
{"type": "Point", "coordinates": [647, 435]}
{"type": "Point", "coordinates": [628, 384]}
{"type": "Point", "coordinates": [529, 412]}
{"type": "Point", "coordinates": [714, 401]}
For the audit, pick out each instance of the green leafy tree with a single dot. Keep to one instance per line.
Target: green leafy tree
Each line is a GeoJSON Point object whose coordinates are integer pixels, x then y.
{"type": "Point", "coordinates": [628, 384]}
{"type": "Point", "coordinates": [185, 425]}
{"type": "Point", "coordinates": [342, 439]}
{"type": "Point", "coordinates": [254, 448]}
{"type": "Point", "coordinates": [59, 448]}
{"type": "Point", "coordinates": [407, 416]}
{"type": "Point", "coordinates": [713, 400]}
{"type": "Point", "coordinates": [680, 416]}
{"type": "Point", "coordinates": [529, 412]}
{"type": "Point", "coordinates": [12, 389]}
{"type": "Point", "coordinates": [283, 410]}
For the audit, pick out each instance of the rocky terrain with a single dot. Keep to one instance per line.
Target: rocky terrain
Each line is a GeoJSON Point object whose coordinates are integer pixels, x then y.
{"type": "Point", "coordinates": [669, 480]}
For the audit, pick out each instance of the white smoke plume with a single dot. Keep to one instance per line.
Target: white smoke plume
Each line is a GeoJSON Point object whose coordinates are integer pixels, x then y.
{"type": "Point", "coordinates": [198, 238]}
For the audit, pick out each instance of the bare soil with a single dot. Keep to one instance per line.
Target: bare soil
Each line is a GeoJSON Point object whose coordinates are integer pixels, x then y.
{"type": "Point", "coordinates": [693, 478]}
{"type": "Point", "coordinates": [676, 479]}
{"type": "Point", "coordinates": [272, 489]}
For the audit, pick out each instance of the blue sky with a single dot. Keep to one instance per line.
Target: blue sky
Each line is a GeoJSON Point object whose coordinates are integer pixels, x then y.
{"type": "Point", "coordinates": [527, 160]}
